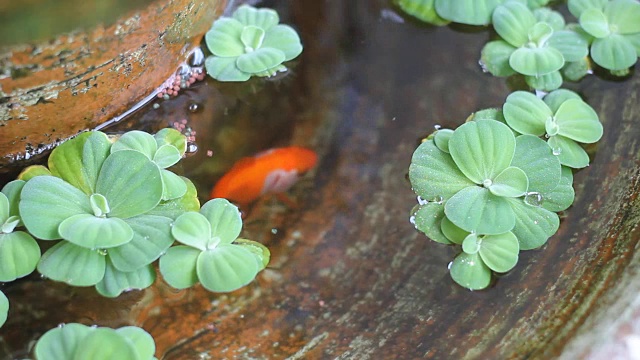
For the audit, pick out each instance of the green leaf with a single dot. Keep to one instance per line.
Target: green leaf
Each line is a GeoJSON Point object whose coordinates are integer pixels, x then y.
{"type": "Point", "coordinates": [525, 113]}
{"type": "Point", "coordinates": [19, 255]}
{"type": "Point", "coordinates": [131, 183]}
{"type": "Point", "coordinates": [533, 224]}
{"type": "Point", "coordinates": [46, 201]}
{"type": "Point", "coordinates": [285, 39]}
{"type": "Point", "coordinates": [173, 187]}
{"type": "Point", "coordinates": [634, 39]}
{"type": "Point", "coordinates": [226, 268]}
{"type": "Point", "coordinates": [433, 173]}
{"type": "Point", "coordinates": [66, 162]}
{"type": "Point", "coordinates": [471, 244]}
{"type": "Point", "coordinates": [427, 219]}
{"type": "Point", "coordinates": [482, 149]}
{"type": "Point", "coordinates": [546, 82]}
{"type": "Point", "coordinates": [569, 152]}
{"type": "Point", "coordinates": [260, 60]}
{"type": "Point", "coordinates": [72, 264]}
{"type": "Point", "coordinates": [166, 155]}
{"type": "Point", "coordinates": [223, 39]}
{"type": "Point", "coordinates": [550, 17]}
{"type": "Point", "coordinates": [116, 281]}
{"type": "Point", "coordinates": [423, 10]}
{"type": "Point", "coordinates": [536, 159]}
{"type": "Point", "coordinates": [193, 229]}
{"type": "Point", "coordinates": [576, 70]}
{"type": "Point", "coordinates": [578, 121]}
{"type": "Point", "coordinates": [151, 238]}
{"type": "Point", "coordinates": [136, 140]}
{"type": "Point", "coordinates": [614, 52]}
{"type": "Point", "coordinates": [560, 198]}
{"type": "Point", "coordinates": [511, 182]}
{"type": "Point", "coordinates": [557, 97]}
{"type": "Point", "coordinates": [4, 308]}
{"type": "Point", "coordinates": [105, 344]}
{"type": "Point", "coordinates": [33, 171]}
{"type": "Point", "coordinates": [225, 219]}
{"type": "Point", "coordinates": [540, 33]}
{"type": "Point", "coordinates": [252, 38]}
{"type": "Point", "coordinates": [441, 139]}
{"type": "Point", "coordinates": [94, 153]}
{"type": "Point", "coordinates": [623, 15]}
{"type": "Point", "coordinates": [175, 207]}
{"type": "Point", "coordinates": [173, 137]}
{"type": "Point", "coordinates": [452, 232]}
{"type": "Point", "coordinates": [594, 21]}
{"type": "Point", "coordinates": [12, 191]}
{"type": "Point", "coordinates": [577, 7]}
{"type": "Point", "coordinates": [143, 342]}
{"type": "Point", "coordinates": [472, 12]}
{"type": "Point", "coordinates": [178, 266]}
{"type": "Point", "coordinates": [495, 58]}
{"type": "Point", "coordinates": [93, 232]}
{"type": "Point", "coordinates": [475, 209]}
{"type": "Point", "coordinates": [571, 45]}
{"type": "Point", "coordinates": [4, 208]}
{"type": "Point", "coordinates": [469, 271]}
{"type": "Point", "coordinates": [224, 69]}
{"type": "Point", "coordinates": [512, 21]}
{"type": "Point", "coordinates": [536, 61]}
{"type": "Point", "coordinates": [60, 343]}
{"type": "Point", "coordinates": [262, 18]}
{"type": "Point", "coordinates": [262, 253]}
{"type": "Point", "coordinates": [500, 252]}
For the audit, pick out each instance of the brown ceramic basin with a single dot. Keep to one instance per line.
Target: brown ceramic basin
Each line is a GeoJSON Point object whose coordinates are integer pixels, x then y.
{"type": "Point", "coordinates": [350, 278]}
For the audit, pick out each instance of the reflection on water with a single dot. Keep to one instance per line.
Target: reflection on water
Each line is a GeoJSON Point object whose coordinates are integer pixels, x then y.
{"type": "Point", "coordinates": [350, 278]}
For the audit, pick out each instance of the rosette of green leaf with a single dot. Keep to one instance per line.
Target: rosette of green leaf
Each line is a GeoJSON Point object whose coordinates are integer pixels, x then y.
{"type": "Point", "coordinates": [423, 10]}
{"type": "Point", "coordinates": [434, 174]}
{"type": "Point", "coordinates": [165, 149]}
{"type": "Point", "coordinates": [566, 124]}
{"type": "Point", "coordinates": [614, 26]}
{"type": "Point", "coordinates": [250, 43]}
{"type": "Point", "coordinates": [19, 252]}
{"type": "Point", "coordinates": [76, 341]}
{"type": "Point", "coordinates": [211, 253]}
{"type": "Point", "coordinates": [474, 179]}
{"type": "Point", "coordinates": [482, 254]}
{"type": "Point", "coordinates": [471, 12]}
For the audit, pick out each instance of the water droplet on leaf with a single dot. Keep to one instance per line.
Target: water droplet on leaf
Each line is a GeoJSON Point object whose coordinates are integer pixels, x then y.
{"type": "Point", "coordinates": [533, 199]}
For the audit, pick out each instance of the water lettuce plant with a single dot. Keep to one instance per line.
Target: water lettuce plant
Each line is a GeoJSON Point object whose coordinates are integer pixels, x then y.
{"type": "Point", "coordinates": [212, 253]}
{"type": "Point", "coordinates": [493, 186]}
{"type": "Point", "coordinates": [76, 341]}
{"type": "Point", "coordinates": [562, 118]}
{"type": "Point", "coordinates": [250, 43]}
{"type": "Point", "coordinates": [533, 43]}
{"type": "Point", "coordinates": [614, 28]}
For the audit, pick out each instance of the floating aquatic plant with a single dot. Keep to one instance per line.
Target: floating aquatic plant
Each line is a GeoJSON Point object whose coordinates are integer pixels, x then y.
{"type": "Point", "coordinates": [77, 341]}
{"type": "Point", "coordinates": [615, 30]}
{"type": "Point", "coordinates": [533, 43]}
{"type": "Point", "coordinates": [212, 253]}
{"type": "Point", "coordinates": [562, 117]}
{"type": "Point", "coordinates": [250, 43]}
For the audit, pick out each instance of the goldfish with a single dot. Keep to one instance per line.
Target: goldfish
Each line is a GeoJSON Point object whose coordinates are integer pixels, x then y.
{"type": "Point", "coordinates": [271, 171]}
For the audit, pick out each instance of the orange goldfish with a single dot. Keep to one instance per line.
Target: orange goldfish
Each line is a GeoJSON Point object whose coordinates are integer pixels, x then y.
{"type": "Point", "coordinates": [271, 171]}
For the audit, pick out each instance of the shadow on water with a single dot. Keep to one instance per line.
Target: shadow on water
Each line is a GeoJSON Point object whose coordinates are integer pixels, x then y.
{"type": "Point", "coordinates": [350, 278]}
